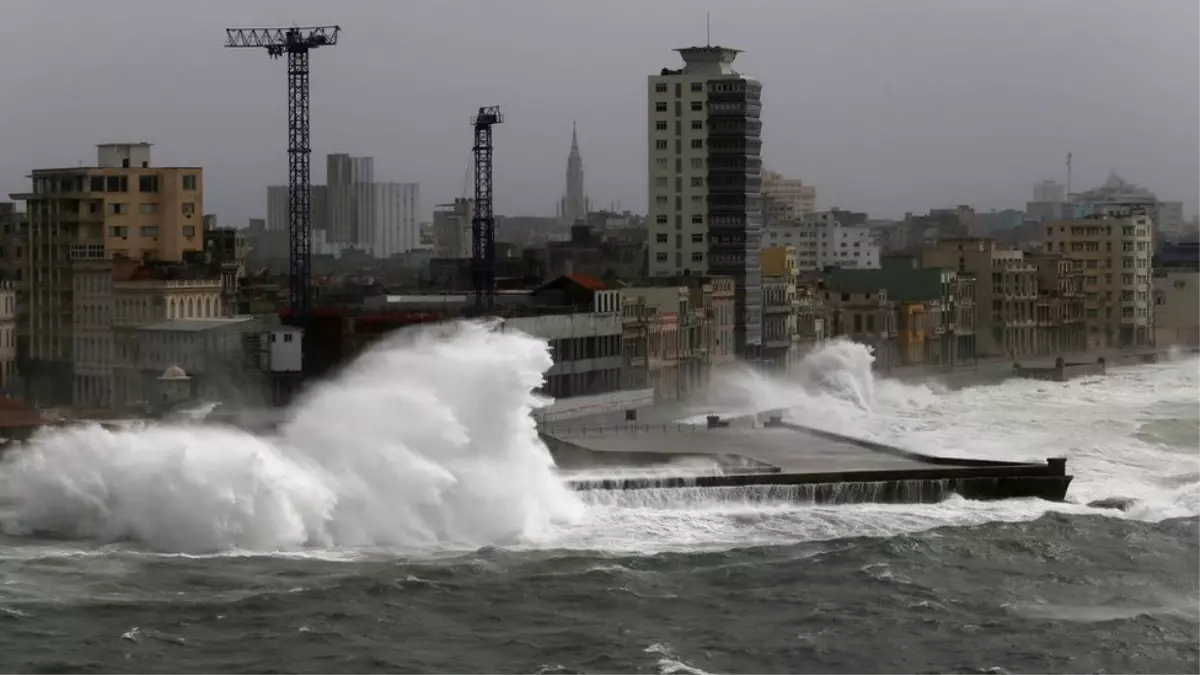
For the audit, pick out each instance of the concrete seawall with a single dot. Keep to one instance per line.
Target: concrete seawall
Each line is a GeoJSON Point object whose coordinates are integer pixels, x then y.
{"type": "Point", "coordinates": [781, 460]}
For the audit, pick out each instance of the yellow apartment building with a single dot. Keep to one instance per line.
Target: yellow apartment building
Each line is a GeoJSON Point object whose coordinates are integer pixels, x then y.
{"type": "Point", "coordinates": [123, 207]}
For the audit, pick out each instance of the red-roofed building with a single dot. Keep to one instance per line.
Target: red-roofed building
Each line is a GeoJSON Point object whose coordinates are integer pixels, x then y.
{"type": "Point", "coordinates": [570, 290]}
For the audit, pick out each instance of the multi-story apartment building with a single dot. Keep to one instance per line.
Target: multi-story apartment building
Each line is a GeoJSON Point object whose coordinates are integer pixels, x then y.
{"type": "Point", "coordinates": [395, 229]}
{"type": "Point", "coordinates": [124, 207]}
{"type": "Point", "coordinates": [677, 331]}
{"type": "Point", "coordinates": [1005, 293]}
{"type": "Point", "coordinates": [113, 298]}
{"type": "Point", "coordinates": [1177, 308]}
{"type": "Point", "coordinates": [822, 240]}
{"type": "Point", "coordinates": [867, 317]}
{"type": "Point", "coordinates": [935, 307]}
{"type": "Point", "coordinates": [1112, 250]}
{"type": "Point", "coordinates": [786, 198]}
{"type": "Point", "coordinates": [8, 336]}
{"type": "Point", "coordinates": [1060, 312]}
{"type": "Point", "coordinates": [704, 168]}
{"type": "Point", "coordinates": [452, 229]}
{"type": "Point", "coordinates": [350, 207]}
{"type": "Point", "coordinates": [779, 278]}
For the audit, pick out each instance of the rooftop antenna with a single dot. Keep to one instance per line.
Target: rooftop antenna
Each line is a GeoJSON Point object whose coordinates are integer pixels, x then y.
{"type": "Point", "coordinates": [708, 28]}
{"type": "Point", "coordinates": [1068, 175]}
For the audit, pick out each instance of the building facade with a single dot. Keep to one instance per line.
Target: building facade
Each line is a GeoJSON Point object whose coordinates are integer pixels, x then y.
{"type": "Point", "coordinates": [395, 229]}
{"type": "Point", "coordinates": [704, 168]}
{"type": "Point", "coordinates": [1112, 252]}
{"type": "Point", "coordinates": [8, 337]}
{"type": "Point", "coordinates": [1177, 308]}
{"type": "Point", "coordinates": [452, 229]}
{"type": "Point", "coordinates": [124, 207]}
{"type": "Point", "coordinates": [788, 198]}
{"type": "Point", "coordinates": [822, 241]}
{"type": "Point", "coordinates": [1005, 293]}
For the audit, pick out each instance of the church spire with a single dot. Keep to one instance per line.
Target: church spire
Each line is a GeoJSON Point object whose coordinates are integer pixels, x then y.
{"type": "Point", "coordinates": [574, 202]}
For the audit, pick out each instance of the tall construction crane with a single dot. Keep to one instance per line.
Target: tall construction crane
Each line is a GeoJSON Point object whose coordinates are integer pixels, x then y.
{"type": "Point", "coordinates": [483, 225]}
{"type": "Point", "coordinates": [296, 42]}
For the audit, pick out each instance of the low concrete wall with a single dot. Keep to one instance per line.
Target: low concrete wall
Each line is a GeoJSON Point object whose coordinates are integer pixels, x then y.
{"type": "Point", "coordinates": [582, 406]}
{"type": "Point", "coordinates": [1063, 370]}
{"type": "Point", "coordinates": [997, 369]}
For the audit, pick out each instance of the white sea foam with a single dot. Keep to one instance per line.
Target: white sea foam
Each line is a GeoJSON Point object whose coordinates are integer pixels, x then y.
{"type": "Point", "coordinates": [1130, 434]}
{"type": "Point", "coordinates": [426, 441]}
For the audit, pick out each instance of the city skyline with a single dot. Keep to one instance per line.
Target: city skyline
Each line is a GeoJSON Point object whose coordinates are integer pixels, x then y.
{"type": "Point", "coordinates": [894, 129]}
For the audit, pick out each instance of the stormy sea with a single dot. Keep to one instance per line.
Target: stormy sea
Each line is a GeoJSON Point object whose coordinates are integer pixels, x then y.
{"type": "Point", "coordinates": [407, 519]}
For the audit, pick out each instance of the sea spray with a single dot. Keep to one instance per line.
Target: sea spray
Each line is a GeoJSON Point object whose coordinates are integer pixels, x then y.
{"type": "Point", "coordinates": [426, 441]}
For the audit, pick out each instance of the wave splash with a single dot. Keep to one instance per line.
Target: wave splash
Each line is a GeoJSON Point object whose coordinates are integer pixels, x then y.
{"type": "Point", "coordinates": [425, 441]}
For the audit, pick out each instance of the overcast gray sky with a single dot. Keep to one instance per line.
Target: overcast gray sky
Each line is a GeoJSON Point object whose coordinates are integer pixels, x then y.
{"type": "Point", "coordinates": [885, 106]}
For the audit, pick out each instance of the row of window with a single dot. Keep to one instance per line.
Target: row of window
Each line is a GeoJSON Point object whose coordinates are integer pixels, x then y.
{"type": "Point", "coordinates": [661, 144]}
{"type": "Point", "coordinates": [695, 181]}
{"type": "Point", "coordinates": [122, 208]}
{"type": "Point", "coordinates": [117, 183]}
{"type": "Point", "coordinates": [661, 125]}
{"type": "Point", "coordinates": [122, 231]}
{"type": "Point", "coordinates": [661, 106]}
{"type": "Point", "coordinates": [697, 256]}
{"type": "Point", "coordinates": [661, 87]}
{"type": "Point", "coordinates": [697, 238]}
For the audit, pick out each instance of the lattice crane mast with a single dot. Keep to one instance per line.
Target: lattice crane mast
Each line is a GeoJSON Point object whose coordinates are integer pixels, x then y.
{"type": "Point", "coordinates": [483, 224]}
{"type": "Point", "coordinates": [296, 43]}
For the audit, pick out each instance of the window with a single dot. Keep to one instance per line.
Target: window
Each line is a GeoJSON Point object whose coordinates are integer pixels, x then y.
{"type": "Point", "coordinates": [661, 238]}
{"type": "Point", "coordinates": [697, 86]}
{"type": "Point", "coordinates": [147, 209]}
{"type": "Point", "coordinates": [660, 199]}
{"type": "Point", "coordinates": [660, 145]}
{"type": "Point", "coordinates": [697, 162]}
{"type": "Point", "coordinates": [661, 219]}
{"type": "Point", "coordinates": [660, 126]}
{"type": "Point", "coordinates": [697, 106]}
{"type": "Point", "coordinates": [661, 182]}
{"type": "Point", "coordinates": [97, 184]}
{"type": "Point", "coordinates": [697, 143]}
{"type": "Point", "coordinates": [661, 162]}
{"type": "Point", "coordinates": [660, 88]}
{"type": "Point", "coordinates": [660, 257]}
{"type": "Point", "coordinates": [118, 231]}
{"type": "Point", "coordinates": [189, 231]}
{"type": "Point", "coordinates": [149, 231]}
{"type": "Point", "coordinates": [697, 124]}
{"type": "Point", "coordinates": [697, 219]}
{"type": "Point", "coordinates": [287, 337]}
{"type": "Point", "coordinates": [698, 238]}
{"type": "Point", "coordinates": [660, 106]}
{"type": "Point", "coordinates": [117, 208]}
{"type": "Point", "coordinates": [147, 183]}
{"type": "Point", "coordinates": [189, 181]}
{"type": "Point", "coordinates": [189, 208]}
{"type": "Point", "coordinates": [697, 181]}
{"type": "Point", "coordinates": [116, 183]}
{"type": "Point", "coordinates": [697, 257]}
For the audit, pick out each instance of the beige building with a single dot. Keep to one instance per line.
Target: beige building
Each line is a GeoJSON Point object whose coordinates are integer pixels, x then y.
{"type": "Point", "coordinates": [1005, 293]}
{"type": "Point", "coordinates": [676, 332]}
{"type": "Point", "coordinates": [110, 300]}
{"type": "Point", "coordinates": [1060, 314]}
{"type": "Point", "coordinates": [786, 198]}
{"type": "Point", "coordinates": [121, 208]}
{"type": "Point", "coordinates": [1112, 253]}
{"type": "Point", "coordinates": [1177, 308]}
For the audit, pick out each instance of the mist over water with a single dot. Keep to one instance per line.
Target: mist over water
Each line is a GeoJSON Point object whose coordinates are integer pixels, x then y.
{"type": "Point", "coordinates": [425, 441]}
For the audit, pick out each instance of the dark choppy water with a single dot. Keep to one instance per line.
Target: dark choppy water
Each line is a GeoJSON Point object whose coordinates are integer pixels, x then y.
{"type": "Point", "coordinates": [1063, 593]}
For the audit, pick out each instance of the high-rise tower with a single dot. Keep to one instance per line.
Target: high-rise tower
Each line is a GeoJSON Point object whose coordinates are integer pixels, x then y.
{"type": "Point", "coordinates": [573, 207]}
{"type": "Point", "coordinates": [705, 179]}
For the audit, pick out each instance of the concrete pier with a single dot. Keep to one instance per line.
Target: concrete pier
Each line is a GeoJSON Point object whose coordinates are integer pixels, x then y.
{"type": "Point", "coordinates": [763, 452]}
